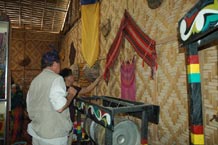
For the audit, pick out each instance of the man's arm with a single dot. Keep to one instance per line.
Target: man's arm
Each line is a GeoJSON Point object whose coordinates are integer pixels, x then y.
{"type": "Point", "coordinates": [70, 96]}
{"type": "Point", "coordinates": [59, 98]}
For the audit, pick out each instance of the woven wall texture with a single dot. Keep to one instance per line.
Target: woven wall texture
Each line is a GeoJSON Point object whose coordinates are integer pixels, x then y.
{"type": "Point", "coordinates": [32, 45]}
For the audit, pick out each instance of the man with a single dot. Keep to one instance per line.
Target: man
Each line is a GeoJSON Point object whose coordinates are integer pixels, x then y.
{"type": "Point", "coordinates": [47, 104]}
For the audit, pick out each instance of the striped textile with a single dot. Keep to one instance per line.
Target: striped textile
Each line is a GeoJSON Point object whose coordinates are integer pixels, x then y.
{"type": "Point", "coordinates": [143, 45]}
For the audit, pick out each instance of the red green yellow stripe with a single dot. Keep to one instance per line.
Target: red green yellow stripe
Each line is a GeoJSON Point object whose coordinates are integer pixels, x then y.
{"type": "Point", "coordinates": [197, 139]}
{"type": "Point", "coordinates": [197, 129]}
{"type": "Point", "coordinates": [197, 134]}
{"type": "Point", "coordinates": [194, 78]}
{"type": "Point", "coordinates": [193, 68]}
{"type": "Point", "coordinates": [193, 59]}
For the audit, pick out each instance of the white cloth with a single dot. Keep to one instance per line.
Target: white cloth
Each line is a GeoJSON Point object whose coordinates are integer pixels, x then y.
{"type": "Point", "coordinates": [58, 100]}
{"type": "Point", "coordinates": [41, 141]}
{"type": "Point", "coordinates": [58, 93]}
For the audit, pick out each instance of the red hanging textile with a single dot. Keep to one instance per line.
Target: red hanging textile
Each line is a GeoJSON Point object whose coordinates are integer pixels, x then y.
{"type": "Point", "coordinates": [143, 45]}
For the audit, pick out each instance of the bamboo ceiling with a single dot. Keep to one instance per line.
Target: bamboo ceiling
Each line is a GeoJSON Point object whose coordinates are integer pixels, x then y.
{"type": "Point", "coordinates": [39, 15]}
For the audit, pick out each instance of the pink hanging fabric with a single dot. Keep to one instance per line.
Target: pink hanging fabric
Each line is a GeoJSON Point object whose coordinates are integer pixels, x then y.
{"type": "Point", "coordinates": [128, 87]}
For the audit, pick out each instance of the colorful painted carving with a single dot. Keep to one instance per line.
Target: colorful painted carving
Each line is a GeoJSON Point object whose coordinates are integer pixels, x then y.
{"type": "Point", "coordinates": [201, 18]}
{"type": "Point", "coordinates": [100, 115]}
{"type": "Point", "coordinates": [97, 113]}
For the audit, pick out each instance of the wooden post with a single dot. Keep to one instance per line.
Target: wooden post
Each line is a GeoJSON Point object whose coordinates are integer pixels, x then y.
{"type": "Point", "coordinates": [194, 94]}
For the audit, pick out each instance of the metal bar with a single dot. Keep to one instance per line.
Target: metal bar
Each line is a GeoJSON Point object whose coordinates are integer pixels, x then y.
{"type": "Point", "coordinates": [121, 100]}
{"type": "Point", "coordinates": [129, 109]}
{"type": "Point", "coordinates": [108, 137]}
{"type": "Point", "coordinates": [144, 129]}
{"type": "Point", "coordinates": [5, 29]}
{"type": "Point", "coordinates": [120, 109]}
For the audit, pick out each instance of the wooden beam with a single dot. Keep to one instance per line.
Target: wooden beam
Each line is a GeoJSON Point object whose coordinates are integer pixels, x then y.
{"type": "Point", "coordinates": [68, 5]}
{"type": "Point", "coordinates": [43, 15]}
{"type": "Point", "coordinates": [53, 19]}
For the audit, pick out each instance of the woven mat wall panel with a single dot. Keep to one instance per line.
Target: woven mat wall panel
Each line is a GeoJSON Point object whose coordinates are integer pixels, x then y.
{"type": "Point", "coordinates": [18, 76]}
{"type": "Point", "coordinates": [35, 49]}
{"type": "Point", "coordinates": [41, 36]}
{"type": "Point", "coordinates": [209, 76]}
{"type": "Point", "coordinates": [172, 95]}
{"type": "Point", "coordinates": [74, 36]}
{"type": "Point", "coordinates": [169, 88]}
{"type": "Point", "coordinates": [16, 54]}
{"type": "Point", "coordinates": [32, 45]}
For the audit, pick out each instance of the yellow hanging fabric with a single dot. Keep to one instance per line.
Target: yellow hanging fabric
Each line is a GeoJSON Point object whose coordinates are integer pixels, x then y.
{"type": "Point", "coordinates": [90, 32]}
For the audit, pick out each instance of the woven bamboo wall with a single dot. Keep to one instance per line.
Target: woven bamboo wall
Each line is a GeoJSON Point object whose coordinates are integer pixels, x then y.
{"type": "Point", "coordinates": [209, 76]}
{"type": "Point", "coordinates": [33, 45]}
{"type": "Point", "coordinates": [73, 36]}
{"type": "Point", "coordinates": [169, 88]}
